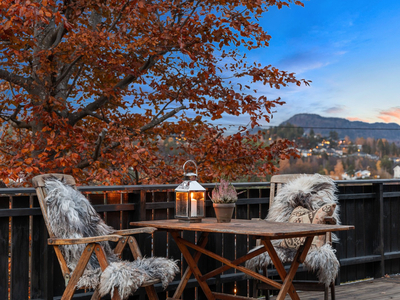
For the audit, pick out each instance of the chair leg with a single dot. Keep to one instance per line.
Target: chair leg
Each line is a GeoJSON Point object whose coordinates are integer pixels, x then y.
{"type": "Point", "coordinates": [333, 295]}
{"type": "Point", "coordinates": [151, 292]}
{"type": "Point", "coordinates": [326, 293]}
{"type": "Point", "coordinates": [133, 245]}
{"type": "Point", "coordinates": [265, 273]}
{"type": "Point", "coordinates": [255, 291]}
{"type": "Point", "coordinates": [80, 267]}
{"type": "Point", "coordinates": [96, 295]}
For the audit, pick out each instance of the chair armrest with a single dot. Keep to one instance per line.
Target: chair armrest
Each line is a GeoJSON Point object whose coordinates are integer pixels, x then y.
{"type": "Point", "coordinates": [135, 231]}
{"type": "Point", "coordinates": [330, 220]}
{"type": "Point", "coordinates": [86, 240]}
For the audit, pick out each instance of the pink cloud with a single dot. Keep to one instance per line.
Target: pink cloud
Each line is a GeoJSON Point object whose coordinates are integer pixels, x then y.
{"type": "Point", "coordinates": [394, 112]}
{"type": "Point", "coordinates": [385, 119]}
{"type": "Point", "coordinates": [390, 115]}
{"type": "Point", "coordinates": [358, 119]}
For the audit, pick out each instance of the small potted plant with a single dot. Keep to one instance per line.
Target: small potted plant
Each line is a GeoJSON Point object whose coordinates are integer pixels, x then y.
{"type": "Point", "coordinates": [224, 197]}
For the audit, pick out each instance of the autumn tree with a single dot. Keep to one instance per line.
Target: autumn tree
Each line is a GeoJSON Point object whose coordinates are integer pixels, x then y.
{"type": "Point", "coordinates": [93, 88]}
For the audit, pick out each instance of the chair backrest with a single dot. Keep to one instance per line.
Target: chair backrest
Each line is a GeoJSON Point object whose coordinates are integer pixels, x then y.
{"type": "Point", "coordinates": [277, 181]}
{"type": "Point", "coordinates": [39, 184]}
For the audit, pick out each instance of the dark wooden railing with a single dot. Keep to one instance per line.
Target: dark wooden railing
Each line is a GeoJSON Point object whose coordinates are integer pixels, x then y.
{"type": "Point", "coordinates": [29, 269]}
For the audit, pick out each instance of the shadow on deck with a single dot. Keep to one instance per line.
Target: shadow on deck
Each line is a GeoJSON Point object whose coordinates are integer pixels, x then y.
{"type": "Point", "coordinates": [381, 288]}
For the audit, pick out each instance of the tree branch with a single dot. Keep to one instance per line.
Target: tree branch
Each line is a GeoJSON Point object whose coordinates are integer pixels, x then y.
{"type": "Point", "coordinates": [65, 73]}
{"type": "Point", "coordinates": [57, 36]}
{"type": "Point", "coordinates": [26, 83]}
{"type": "Point", "coordinates": [118, 17]}
{"type": "Point", "coordinates": [13, 119]}
{"type": "Point", "coordinates": [100, 140]}
{"type": "Point", "coordinates": [97, 116]}
{"type": "Point", "coordinates": [86, 163]}
{"type": "Point", "coordinates": [157, 121]}
{"type": "Point", "coordinates": [153, 123]}
{"type": "Point", "coordinates": [123, 84]}
{"type": "Point", "coordinates": [190, 14]}
{"type": "Point", "coordinates": [11, 88]}
{"type": "Point", "coordinates": [74, 82]}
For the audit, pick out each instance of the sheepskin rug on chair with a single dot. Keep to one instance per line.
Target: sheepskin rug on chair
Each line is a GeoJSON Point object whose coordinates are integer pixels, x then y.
{"type": "Point", "coordinates": [72, 216]}
{"type": "Point", "coordinates": [312, 193]}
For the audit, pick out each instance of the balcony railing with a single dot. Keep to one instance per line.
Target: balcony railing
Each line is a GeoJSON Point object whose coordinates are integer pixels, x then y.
{"type": "Point", "coordinates": [29, 269]}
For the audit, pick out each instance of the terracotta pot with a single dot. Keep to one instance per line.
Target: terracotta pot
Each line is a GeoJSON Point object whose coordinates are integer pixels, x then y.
{"type": "Point", "coordinates": [224, 211]}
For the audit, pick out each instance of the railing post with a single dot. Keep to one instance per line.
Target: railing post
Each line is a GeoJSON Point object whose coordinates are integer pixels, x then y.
{"type": "Point", "coordinates": [379, 246]}
{"type": "Point", "coordinates": [4, 248]}
{"type": "Point", "coordinates": [47, 273]}
{"type": "Point", "coordinates": [142, 206]}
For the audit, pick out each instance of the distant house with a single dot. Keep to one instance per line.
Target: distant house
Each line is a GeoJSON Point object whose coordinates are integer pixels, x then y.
{"type": "Point", "coordinates": [305, 152]}
{"type": "Point", "coordinates": [362, 174]}
{"type": "Point", "coordinates": [331, 152]}
{"type": "Point", "coordinates": [396, 171]}
{"type": "Point", "coordinates": [346, 176]}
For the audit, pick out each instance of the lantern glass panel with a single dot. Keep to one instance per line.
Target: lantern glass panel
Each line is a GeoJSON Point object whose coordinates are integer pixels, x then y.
{"type": "Point", "coordinates": [197, 204]}
{"type": "Point", "coordinates": [181, 204]}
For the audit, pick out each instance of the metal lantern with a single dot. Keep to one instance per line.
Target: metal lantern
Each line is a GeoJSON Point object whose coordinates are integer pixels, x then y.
{"type": "Point", "coordinates": [190, 198]}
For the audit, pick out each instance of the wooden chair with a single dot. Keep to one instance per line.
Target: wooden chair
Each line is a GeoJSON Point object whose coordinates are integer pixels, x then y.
{"type": "Point", "coordinates": [277, 181]}
{"type": "Point", "coordinates": [123, 237]}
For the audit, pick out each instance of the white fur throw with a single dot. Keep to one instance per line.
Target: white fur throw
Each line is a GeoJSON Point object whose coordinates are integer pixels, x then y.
{"type": "Point", "coordinates": [311, 192]}
{"type": "Point", "coordinates": [72, 216]}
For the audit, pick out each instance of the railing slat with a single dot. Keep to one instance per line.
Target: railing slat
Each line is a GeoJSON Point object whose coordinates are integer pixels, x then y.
{"type": "Point", "coordinates": [4, 249]}
{"type": "Point", "coordinates": [20, 249]}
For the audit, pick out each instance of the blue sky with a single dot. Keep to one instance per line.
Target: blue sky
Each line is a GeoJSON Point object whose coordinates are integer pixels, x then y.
{"type": "Point", "coordinates": [350, 51]}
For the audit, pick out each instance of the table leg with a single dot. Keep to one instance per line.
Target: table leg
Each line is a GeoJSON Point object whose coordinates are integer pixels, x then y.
{"type": "Point", "coordinates": [298, 259]}
{"type": "Point", "coordinates": [193, 266]}
{"type": "Point", "coordinates": [229, 264]}
{"type": "Point", "coordinates": [188, 272]}
{"type": "Point", "coordinates": [279, 267]}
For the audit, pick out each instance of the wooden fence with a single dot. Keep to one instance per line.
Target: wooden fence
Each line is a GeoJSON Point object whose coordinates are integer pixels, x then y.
{"type": "Point", "coordinates": [29, 269]}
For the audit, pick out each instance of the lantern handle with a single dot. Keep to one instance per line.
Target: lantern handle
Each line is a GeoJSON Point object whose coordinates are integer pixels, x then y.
{"type": "Point", "coordinates": [191, 174]}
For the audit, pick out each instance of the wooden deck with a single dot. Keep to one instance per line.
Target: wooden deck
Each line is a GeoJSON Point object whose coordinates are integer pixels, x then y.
{"type": "Point", "coordinates": [377, 289]}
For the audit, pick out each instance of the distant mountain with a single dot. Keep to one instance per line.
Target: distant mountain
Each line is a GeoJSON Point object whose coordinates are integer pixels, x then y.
{"type": "Point", "coordinates": [352, 129]}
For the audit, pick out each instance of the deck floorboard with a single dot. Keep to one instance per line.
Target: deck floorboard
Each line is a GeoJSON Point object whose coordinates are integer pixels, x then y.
{"type": "Point", "coordinates": [381, 288]}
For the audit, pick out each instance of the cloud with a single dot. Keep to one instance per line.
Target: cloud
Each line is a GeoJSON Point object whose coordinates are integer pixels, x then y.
{"type": "Point", "coordinates": [312, 59]}
{"type": "Point", "coordinates": [304, 61]}
{"type": "Point", "coordinates": [358, 119]}
{"type": "Point", "coordinates": [335, 109]}
{"type": "Point", "coordinates": [391, 115]}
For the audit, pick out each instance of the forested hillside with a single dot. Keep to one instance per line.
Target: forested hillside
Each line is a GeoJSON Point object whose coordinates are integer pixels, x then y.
{"type": "Point", "coordinates": [344, 127]}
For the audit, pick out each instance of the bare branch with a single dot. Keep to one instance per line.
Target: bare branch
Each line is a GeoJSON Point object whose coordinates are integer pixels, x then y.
{"type": "Point", "coordinates": [86, 163]}
{"type": "Point", "coordinates": [20, 124]}
{"type": "Point", "coordinates": [26, 83]}
{"type": "Point", "coordinates": [13, 118]}
{"type": "Point", "coordinates": [157, 121]}
{"type": "Point", "coordinates": [11, 88]}
{"type": "Point", "coordinates": [74, 82]}
{"type": "Point", "coordinates": [99, 141]}
{"type": "Point", "coordinates": [118, 17]}
{"type": "Point", "coordinates": [190, 14]}
{"type": "Point", "coordinates": [66, 72]}
{"type": "Point", "coordinates": [97, 116]}
{"type": "Point", "coordinates": [57, 35]}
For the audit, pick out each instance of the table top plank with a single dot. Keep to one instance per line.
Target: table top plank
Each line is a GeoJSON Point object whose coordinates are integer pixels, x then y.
{"type": "Point", "coordinates": [273, 230]}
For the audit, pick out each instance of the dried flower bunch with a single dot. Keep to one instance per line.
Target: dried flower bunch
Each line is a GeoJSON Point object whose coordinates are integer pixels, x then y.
{"type": "Point", "coordinates": [224, 193]}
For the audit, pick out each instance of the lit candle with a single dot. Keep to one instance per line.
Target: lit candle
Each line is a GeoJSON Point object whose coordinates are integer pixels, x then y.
{"type": "Point", "coordinates": [193, 207]}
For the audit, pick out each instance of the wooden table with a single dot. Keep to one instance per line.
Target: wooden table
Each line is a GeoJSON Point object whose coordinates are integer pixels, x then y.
{"type": "Point", "coordinates": [266, 231]}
